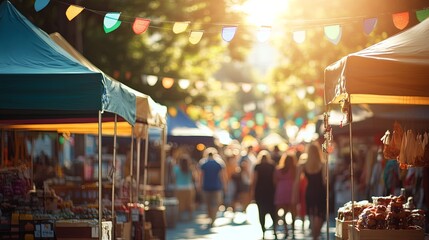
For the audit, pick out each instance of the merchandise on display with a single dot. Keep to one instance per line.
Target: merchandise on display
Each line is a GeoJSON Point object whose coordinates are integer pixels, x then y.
{"type": "Point", "coordinates": [385, 216]}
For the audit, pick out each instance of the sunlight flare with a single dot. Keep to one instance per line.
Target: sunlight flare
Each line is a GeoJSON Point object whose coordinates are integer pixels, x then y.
{"type": "Point", "coordinates": [263, 12]}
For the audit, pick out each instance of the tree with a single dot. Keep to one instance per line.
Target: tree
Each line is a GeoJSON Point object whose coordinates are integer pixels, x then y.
{"type": "Point", "coordinates": [302, 65]}
{"type": "Point", "coordinates": [127, 56]}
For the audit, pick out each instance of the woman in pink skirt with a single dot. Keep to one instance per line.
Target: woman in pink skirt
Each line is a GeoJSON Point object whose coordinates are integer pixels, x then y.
{"type": "Point", "coordinates": [284, 178]}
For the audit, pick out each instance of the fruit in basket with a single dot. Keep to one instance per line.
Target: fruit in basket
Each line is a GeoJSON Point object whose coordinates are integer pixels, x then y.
{"type": "Point", "coordinates": [396, 207]}
{"type": "Point", "coordinates": [381, 208]}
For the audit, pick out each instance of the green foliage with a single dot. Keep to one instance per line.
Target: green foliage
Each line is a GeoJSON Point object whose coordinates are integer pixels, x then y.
{"type": "Point", "coordinates": [156, 52]}
{"type": "Point", "coordinates": [161, 52]}
{"type": "Point", "coordinates": [302, 65]}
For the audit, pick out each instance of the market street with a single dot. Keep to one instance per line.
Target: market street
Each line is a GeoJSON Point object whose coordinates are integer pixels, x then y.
{"type": "Point", "coordinates": [238, 226]}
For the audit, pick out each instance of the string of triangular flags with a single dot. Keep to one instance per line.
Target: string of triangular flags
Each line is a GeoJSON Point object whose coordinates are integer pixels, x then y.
{"type": "Point", "coordinates": [113, 20]}
{"type": "Point", "coordinates": [168, 82]}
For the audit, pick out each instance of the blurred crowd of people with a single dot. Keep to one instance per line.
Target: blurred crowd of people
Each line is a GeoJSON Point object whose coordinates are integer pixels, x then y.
{"type": "Point", "coordinates": [292, 180]}
{"type": "Point", "coordinates": [235, 176]}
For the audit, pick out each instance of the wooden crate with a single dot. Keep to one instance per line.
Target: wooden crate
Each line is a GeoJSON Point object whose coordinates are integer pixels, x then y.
{"type": "Point", "coordinates": [341, 229]}
{"type": "Point", "coordinates": [369, 234]}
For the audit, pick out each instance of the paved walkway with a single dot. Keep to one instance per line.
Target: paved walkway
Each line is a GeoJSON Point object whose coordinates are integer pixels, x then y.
{"type": "Point", "coordinates": [231, 225]}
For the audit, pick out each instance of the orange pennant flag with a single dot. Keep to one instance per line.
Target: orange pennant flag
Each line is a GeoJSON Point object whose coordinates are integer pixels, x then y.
{"type": "Point", "coordinates": [401, 20]}
{"type": "Point", "coordinates": [73, 11]}
{"type": "Point", "coordinates": [140, 25]}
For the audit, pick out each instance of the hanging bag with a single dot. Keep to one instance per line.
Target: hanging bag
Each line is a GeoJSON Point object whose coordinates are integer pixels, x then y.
{"type": "Point", "coordinates": [392, 143]}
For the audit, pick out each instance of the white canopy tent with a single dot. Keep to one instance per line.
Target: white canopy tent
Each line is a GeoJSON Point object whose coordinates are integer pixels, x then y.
{"type": "Point", "coordinates": [394, 71]}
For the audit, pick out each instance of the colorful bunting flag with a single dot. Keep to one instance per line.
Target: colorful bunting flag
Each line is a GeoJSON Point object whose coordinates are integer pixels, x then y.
{"type": "Point", "coordinates": [401, 20]}
{"type": "Point", "coordinates": [111, 21]}
{"type": "Point", "coordinates": [184, 83]}
{"type": "Point", "coordinates": [151, 80]}
{"type": "Point", "coordinates": [73, 11]}
{"type": "Point", "coordinates": [180, 27]}
{"type": "Point", "coordinates": [246, 87]}
{"type": "Point", "coordinates": [167, 82]}
{"type": "Point", "coordinates": [228, 33]}
{"type": "Point", "coordinates": [140, 25]}
{"type": "Point", "coordinates": [40, 4]}
{"type": "Point", "coordinates": [422, 14]}
{"type": "Point", "coordinates": [263, 33]}
{"type": "Point", "coordinates": [299, 36]}
{"type": "Point", "coordinates": [195, 36]}
{"type": "Point", "coordinates": [369, 25]}
{"type": "Point", "coordinates": [333, 33]}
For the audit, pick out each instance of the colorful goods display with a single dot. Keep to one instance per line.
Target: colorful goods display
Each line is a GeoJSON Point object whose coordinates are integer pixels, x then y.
{"type": "Point", "coordinates": [378, 219]}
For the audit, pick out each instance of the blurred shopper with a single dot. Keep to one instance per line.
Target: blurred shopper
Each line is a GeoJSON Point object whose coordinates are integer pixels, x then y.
{"type": "Point", "coordinates": [251, 155]}
{"type": "Point", "coordinates": [276, 154]}
{"type": "Point", "coordinates": [391, 178]}
{"type": "Point", "coordinates": [243, 181]}
{"type": "Point", "coordinates": [263, 189]}
{"type": "Point", "coordinates": [284, 177]}
{"type": "Point", "coordinates": [169, 177]}
{"type": "Point", "coordinates": [315, 196]}
{"type": "Point", "coordinates": [231, 168]}
{"type": "Point", "coordinates": [376, 184]}
{"type": "Point", "coordinates": [342, 183]}
{"type": "Point", "coordinates": [303, 182]}
{"type": "Point", "coordinates": [184, 186]}
{"type": "Point", "coordinates": [213, 182]}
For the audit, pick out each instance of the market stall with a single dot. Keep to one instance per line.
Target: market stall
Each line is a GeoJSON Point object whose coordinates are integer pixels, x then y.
{"type": "Point", "coordinates": [148, 114]}
{"type": "Point", "coordinates": [393, 72]}
{"type": "Point", "coordinates": [183, 130]}
{"type": "Point", "coordinates": [42, 84]}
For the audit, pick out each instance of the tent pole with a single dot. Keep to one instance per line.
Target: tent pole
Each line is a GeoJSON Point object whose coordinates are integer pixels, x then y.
{"type": "Point", "coordinates": [327, 194]}
{"type": "Point", "coordinates": [131, 166]}
{"type": "Point", "coordinates": [100, 183]}
{"type": "Point", "coordinates": [164, 142]}
{"type": "Point", "coordinates": [33, 152]}
{"type": "Point", "coordinates": [138, 166]}
{"type": "Point", "coordinates": [351, 174]}
{"type": "Point", "coordinates": [2, 151]}
{"type": "Point", "coordinates": [146, 149]}
{"type": "Point", "coordinates": [114, 172]}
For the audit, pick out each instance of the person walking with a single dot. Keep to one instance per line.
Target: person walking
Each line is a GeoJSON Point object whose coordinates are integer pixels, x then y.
{"type": "Point", "coordinates": [276, 154]}
{"type": "Point", "coordinates": [284, 177]}
{"type": "Point", "coordinates": [213, 182]}
{"type": "Point", "coordinates": [263, 189]}
{"type": "Point", "coordinates": [231, 169]}
{"type": "Point", "coordinates": [184, 186]}
{"type": "Point", "coordinates": [243, 178]}
{"type": "Point", "coordinates": [315, 195]}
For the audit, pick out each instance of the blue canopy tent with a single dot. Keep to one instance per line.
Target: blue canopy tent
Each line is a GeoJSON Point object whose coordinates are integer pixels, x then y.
{"type": "Point", "coordinates": [41, 83]}
{"type": "Point", "coordinates": [181, 129]}
{"type": "Point", "coordinates": [148, 113]}
{"type": "Point", "coordinates": [39, 80]}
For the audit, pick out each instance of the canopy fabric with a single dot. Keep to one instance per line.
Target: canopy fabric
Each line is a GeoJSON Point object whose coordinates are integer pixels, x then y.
{"type": "Point", "coordinates": [373, 119]}
{"type": "Point", "coordinates": [37, 75]}
{"type": "Point", "coordinates": [122, 128]}
{"type": "Point", "coordinates": [181, 124]}
{"type": "Point", "coordinates": [147, 110]}
{"type": "Point", "coordinates": [181, 129]}
{"type": "Point", "coordinates": [393, 71]}
{"type": "Point", "coordinates": [273, 139]}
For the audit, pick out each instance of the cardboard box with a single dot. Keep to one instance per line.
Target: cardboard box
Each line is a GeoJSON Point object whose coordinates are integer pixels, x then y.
{"type": "Point", "coordinates": [370, 234]}
{"type": "Point", "coordinates": [341, 229]}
